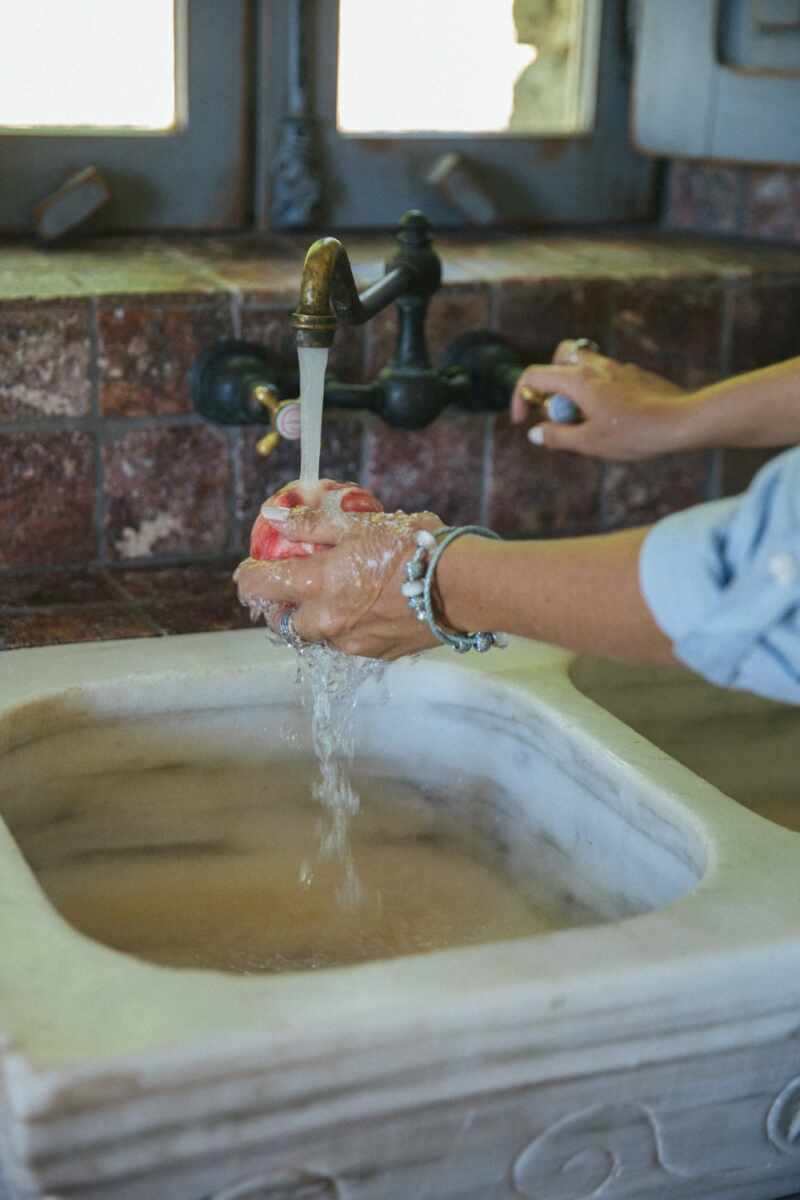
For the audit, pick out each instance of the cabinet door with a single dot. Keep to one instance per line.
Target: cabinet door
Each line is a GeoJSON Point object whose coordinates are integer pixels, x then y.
{"type": "Point", "coordinates": [719, 79]}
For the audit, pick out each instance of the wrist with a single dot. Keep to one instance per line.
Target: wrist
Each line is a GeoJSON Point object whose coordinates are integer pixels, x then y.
{"type": "Point", "coordinates": [461, 587]}
{"type": "Point", "coordinates": [685, 423]}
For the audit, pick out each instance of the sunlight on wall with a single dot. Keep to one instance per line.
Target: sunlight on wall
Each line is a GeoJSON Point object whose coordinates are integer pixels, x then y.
{"type": "Point", "coordinates": [107, 63]}
{"type": "Point", "coordinates": [438, 65]}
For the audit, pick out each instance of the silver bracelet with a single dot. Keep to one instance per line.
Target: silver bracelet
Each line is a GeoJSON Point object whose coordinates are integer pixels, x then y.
{"type": "Point", "coordinates": [420, 572]}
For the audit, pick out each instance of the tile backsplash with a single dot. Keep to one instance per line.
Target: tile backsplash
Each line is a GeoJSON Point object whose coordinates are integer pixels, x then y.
{"type": "Point", "coordinates": [103, 462]}
{"type": "Point", "coordinates": [756, 202]}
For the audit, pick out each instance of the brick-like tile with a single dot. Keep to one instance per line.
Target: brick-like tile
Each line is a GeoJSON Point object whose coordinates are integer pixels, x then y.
{"type": "Point", "coordinates": [270, 327]}
{"type": "Point", "coordinates": [167, 492]}
{"type": "Point", "coordinates": [47, 495]}
{"type": "Point", "coordinates": [61, 626]}
{"type": "Point", "coordinates": [146, 347]}
{"type": "Point", "coordinates": [438, 468]}
{"type": "Point", "coordinates": [258, 478]}
{"type": "Point", "coordinates": [638, 493]}
{"type": "Point", "coordinates": [535, 317]}
{"type": "Point", "coordinates": [772, 204]}
{"type": "Point", "coordinates": [672, 327]}
{"type": "Point", "coordinates": [452, 311]}
{"type": "Point", "coordinates": [157, 584]}
{"type": "Point", "coordinates": [212, 613]}
{"type": "Point", "coordinates": [56, 589]}
{"type": "Point", "coordinates": [44, 351]}
{"type": "Point", "coordinates": [766, 325]}
{"type": "Point", "coordinates": [539, 493]}
{"type": "Point", "coordinates": [703, 197]}
{"type": "Point", "coordinates": [740, 466]}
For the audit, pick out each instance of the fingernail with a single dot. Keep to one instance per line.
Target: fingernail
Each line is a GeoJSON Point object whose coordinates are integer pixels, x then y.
{"type": "Point", "coordinates": [270, 513]}
{"type": "Point", "coordinates": [536, 435]}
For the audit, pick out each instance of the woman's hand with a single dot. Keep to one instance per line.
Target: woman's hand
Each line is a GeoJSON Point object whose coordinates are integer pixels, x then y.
{"type": "Point", "coordinates": [628, 413]}
{"type": "Point", "coordinates": [347, 593]}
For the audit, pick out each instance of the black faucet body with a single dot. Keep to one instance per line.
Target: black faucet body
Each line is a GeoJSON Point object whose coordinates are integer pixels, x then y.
{"type": "Point", "coordinates": [230, 382]}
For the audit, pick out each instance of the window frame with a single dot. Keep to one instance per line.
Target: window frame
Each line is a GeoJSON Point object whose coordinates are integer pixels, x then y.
{"type": "Point", "coordinates": [195, 176]}
{"type": "Point", "coordinates": [582, 178]}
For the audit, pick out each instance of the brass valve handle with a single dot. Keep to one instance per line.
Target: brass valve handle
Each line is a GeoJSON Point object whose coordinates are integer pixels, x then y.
{"type": "Point", "coordinates": [284, 418]}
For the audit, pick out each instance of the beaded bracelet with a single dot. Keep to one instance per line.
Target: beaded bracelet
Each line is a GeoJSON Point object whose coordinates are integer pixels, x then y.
{"type": "Point", "coordinates": [420, 572]}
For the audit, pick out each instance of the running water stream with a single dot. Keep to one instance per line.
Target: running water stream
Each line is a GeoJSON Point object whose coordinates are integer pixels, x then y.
{"type": "Point", "coordinates": [329, 679]}
{"type": "Point", "coordinates": [313, 363]}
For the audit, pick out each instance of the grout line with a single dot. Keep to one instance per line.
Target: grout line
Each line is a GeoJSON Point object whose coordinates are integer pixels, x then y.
{"type": "Point", "coordinates": [365, 422]}
{"type": "Point", "coordinates": [602, 505]}
{"type": "Point", "coordinates": [729, 294]}
{"type": "Point", "coordinates": [234, 438]}
{"type": "Point", "coordinates": [93, 423]}
{"type": "Point", "coordinates": [94, 403]}
{"type": "Point", "coordinates": [219, 561]}
{"type": "Point", "coordinates": [486, 468]}
{"type": "Point", "coordinates": [235, 299]}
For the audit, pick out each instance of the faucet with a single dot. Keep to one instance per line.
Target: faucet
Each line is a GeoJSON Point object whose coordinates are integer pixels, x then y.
{"type": "Point", "coordinates": [328, 293]}
{"type": "Point", "coordinates": [238, 382]}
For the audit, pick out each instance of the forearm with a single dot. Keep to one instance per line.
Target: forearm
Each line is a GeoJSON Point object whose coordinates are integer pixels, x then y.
{"type": "Point", "coordinates": [580, 593]}
{"type": "Point", "coordinates": [761, 408]}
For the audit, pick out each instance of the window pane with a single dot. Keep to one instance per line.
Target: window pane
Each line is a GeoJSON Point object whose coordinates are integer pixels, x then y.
{"type": "Point", "coordinates": [74, 64]}
{"type": "Point", "coordinates": [468, 66]}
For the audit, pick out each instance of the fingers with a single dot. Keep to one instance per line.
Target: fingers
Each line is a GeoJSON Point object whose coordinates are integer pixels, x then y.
{"type": "Point", "coordinates": [570, 352]}
{"type": "Point", "coordinates": [306, 524]}
{"type": "Point", "coordinates": [554, 436]}
{"type": "Point", "coordinates": [289, 581]}
{"type": "Point", "coordinates": [537, 382]}
{"type": "Point", "coordinates": [523, 397]}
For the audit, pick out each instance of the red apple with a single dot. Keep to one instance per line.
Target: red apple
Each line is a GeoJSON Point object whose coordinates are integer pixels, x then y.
{"type": "Point", "coordinates": [266, 540]}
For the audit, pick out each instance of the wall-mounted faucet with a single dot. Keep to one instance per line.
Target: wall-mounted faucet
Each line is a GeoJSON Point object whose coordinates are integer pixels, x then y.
{"type": "Point", "coordinates": [238, 382]}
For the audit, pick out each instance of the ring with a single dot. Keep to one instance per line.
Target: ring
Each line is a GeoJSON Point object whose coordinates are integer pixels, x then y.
{"type": "Point", "coordinates": [584, 344]}
{"type": "Point", "coordinates": [287, 631]}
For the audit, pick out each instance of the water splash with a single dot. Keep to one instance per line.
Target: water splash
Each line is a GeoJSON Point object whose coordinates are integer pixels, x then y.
{"type": "Point", "coordinates": [330, 682]}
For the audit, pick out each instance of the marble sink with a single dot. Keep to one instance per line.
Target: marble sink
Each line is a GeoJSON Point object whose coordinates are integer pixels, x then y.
{"type": "Point", "coordinates": [649, 1048]}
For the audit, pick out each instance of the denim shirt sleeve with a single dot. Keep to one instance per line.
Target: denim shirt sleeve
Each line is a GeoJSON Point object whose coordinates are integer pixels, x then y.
{"type": "Point", "coordinates": [723, 582]}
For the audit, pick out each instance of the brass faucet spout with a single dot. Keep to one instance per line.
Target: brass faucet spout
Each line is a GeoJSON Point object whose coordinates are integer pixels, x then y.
{"type": "Point", "coordinates": [328, 293]}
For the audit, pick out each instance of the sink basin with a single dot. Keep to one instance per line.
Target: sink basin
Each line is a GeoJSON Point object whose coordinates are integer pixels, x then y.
{"type": "Point", "coordinates": [574, 970]}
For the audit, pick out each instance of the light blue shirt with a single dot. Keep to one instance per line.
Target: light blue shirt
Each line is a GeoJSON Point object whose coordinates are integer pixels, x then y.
{"type": "Point", "coordinates": [723, 582]}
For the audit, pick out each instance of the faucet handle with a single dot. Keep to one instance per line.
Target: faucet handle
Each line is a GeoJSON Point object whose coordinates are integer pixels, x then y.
{"type": "Point", "coordinates": [285, 416]}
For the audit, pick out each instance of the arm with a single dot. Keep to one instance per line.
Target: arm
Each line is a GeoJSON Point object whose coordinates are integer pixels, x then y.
{"type": "Point", "coordinates": [717, 586]}
{"type": "Point", "coordinates": [582, 594]}
{"type": "Point", "coordinates": [633, 414]}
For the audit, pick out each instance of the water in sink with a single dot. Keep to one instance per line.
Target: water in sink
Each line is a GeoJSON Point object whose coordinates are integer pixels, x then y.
{"type": "Point", "coordinates": [203, 866]}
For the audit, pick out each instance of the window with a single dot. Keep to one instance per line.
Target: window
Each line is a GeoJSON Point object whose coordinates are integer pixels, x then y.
{"type": "Point", "coordinates": [151, 92]}
{"type": "Point", "coordinates": [524, 68]}
{"type": "Point", "coordinates": [126, 76]}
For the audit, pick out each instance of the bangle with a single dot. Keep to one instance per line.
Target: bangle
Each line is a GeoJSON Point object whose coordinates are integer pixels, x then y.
{"type": "Point", "coordinates": [420, 574]}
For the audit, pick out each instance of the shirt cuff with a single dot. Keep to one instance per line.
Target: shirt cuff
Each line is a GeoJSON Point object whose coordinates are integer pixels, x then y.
{"type": "Point", "coordinates": [681, 568]}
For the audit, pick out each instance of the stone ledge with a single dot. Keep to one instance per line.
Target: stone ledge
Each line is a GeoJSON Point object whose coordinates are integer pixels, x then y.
{"type": "Point", "coordinates": [260, 269]}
